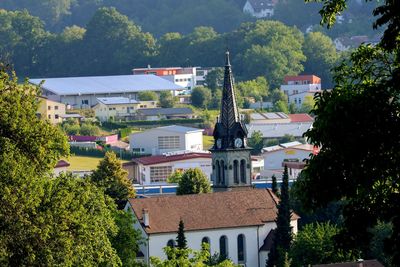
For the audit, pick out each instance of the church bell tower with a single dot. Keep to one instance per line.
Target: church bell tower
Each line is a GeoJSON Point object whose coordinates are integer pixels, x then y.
{"type": "Point", "coordinates": [231, 161]}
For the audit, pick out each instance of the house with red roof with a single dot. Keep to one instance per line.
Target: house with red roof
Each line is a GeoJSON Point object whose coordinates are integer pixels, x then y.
{"type": "Point", "coordinates": [297, 88]}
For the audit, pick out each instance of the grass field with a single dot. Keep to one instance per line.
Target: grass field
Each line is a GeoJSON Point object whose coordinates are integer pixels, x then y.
{"type": "Point", "coordinates": [81, 163]}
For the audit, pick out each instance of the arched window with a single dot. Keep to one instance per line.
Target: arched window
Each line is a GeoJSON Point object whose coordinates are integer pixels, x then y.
{"type": "Point", "coordinates": [207, 241]}
{"type": "Point", "coordinates": [222, 172]}
{"type": "Point", "coordinates": [236, 171]}
{"type": "Point", "coordinates": [218, 172]}
{"type": "Point", "coordinates": [241, 246]}
{"type": "Point", "coordinates": [243, 171]}
{"type": "Point", "coordinates": [171, 243]}
{"type": "Point", "coordinates": [223, 247]}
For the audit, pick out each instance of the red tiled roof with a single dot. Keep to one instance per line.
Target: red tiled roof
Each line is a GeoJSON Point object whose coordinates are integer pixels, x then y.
{"type": "Point", "coordinates": [157, 159]}
{"type": "Point", "coordinates": [237, 208]}
{"type": "Point", "coordinates": [313, 78]}
{"type": "Point", "coordinates": [302, 117]}
{"type": "Point", "coordinates": [62, 163]}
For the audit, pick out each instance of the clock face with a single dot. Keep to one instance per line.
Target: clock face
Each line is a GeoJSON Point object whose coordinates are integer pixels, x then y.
{"type": "Point", "coordinates": [238, 142]}
{"type": "Point", "coordinates": [219, 143]}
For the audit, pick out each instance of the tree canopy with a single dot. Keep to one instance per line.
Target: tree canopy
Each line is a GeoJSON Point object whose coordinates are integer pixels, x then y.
{"type": "Point", "coordinates": [193, 181]}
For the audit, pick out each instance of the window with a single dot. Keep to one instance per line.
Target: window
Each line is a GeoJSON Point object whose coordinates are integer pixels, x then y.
{"type": "Point", "coordinates": [85, 102]}
{"type": "Point", "coordinates": [168, 142]}
{"type": "Point", "coordinates": [222, 169]}
{"type": "Point", "coordinates": [55, 107]}
{"type": "Point", "coordinates": [241, 248]}
{"type": "Point", "coordinates": [56, 116]}
{"type": "Point", "coordinates": [223, 247]}
{"type": "Point", "coordinates": [49, 116]}
{"type": "Point", "coordinates": [171, 243]}
{"type": "Point", "coordinates": [299, 100]}
{"type": "Point", "coordinates": [109, 108]}
{"type": "Point", "coordinates": [236, 171]}
{"type": "Point", "coordinates": [49, 107]}
{"type": "Point", "coordinates": [218, 172]}
{"type": "Point", "coordinates": [160, 173]}
{"type": "Point", "coordinates": [243, 171]}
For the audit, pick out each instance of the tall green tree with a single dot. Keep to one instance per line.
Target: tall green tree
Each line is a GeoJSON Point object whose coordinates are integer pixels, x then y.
{"type": "Point", "coordinates": [113, 179]}
{"type": "Point", "coordinates": [274, 186]}
{"type": "Point", "coordinates": [257, 88]}
{"type": "Point", "coordinates": [167, 100]}
{"type": "Point", "coordinates": [256, 141]}
{"type": "Point", "coordinates": [193, 181]}
{"type": "Point", "coordinates": [147, 96]}
{"type": "Point", "coordinates": [215, 79]}
{"type": "Point", "coordinates": [283, 233]}
{"type": "Point", "coordinates": [201, 97]}
{"type": "Point", "coordinates": [181, 239]}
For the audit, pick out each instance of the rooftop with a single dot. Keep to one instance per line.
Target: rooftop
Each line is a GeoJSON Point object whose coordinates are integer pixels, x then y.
{"type": "Point", "coordinates": [291, 145]}
{"type": "Point", "coordinates": [276, 130]}
{"type": "Point", "coordinates": [165, 111]}
{"type": "Point", "coordinates": [314, 78]}
{"type": "Point", "coordinates": [105, 84]}
{"type": "Point", "coordinates": [301, 117]}
{"type": "Point", "coordinates": [237, 208]}
{"type": "Point", "coordinates": [157, 159]}
{"type": "Point", "coordinates": [116, 100]}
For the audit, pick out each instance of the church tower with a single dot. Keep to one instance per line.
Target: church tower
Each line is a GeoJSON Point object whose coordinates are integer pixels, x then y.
{"type": "Point", "coordinates": [231, 161]}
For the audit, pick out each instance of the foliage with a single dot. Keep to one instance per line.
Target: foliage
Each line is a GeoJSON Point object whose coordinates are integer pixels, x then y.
{"type": "Point", "coordinates": [256, 141]}
{"type": "Point", "coordinates": [201, 97]}
{"type": "Point", "coordinates": [274, 186]}
{"type": "Point", "coordinates": [181, 239]}
{"type": "Point", "coordinates": [126, 241]}
{"type": "Point", "coordinates": [308, 104]}
{"type": "Point", "coordinates": [193, 181]}
{"type": "Point", "coordinates": [72, 127]}
{"type": "Point", "coordinates": [166, 100]}
{"type": "Point", "coordinates": [117, 125]}
{"type": "Point", "coordinates": [113, 179]}
{"type": "Point", "coordinates": [278, 95]}
{"type": "Point", "coordinates": [215, 79]}
{"type": "Point", "coordinates": [315, 244]}
{"type": "Point", "coordinates": [175, 177]}
{"type": "Point", "coordinates": [89, 129]}
{"type": "Point", "coordinates": [257, 88]}
{"type": "Point", "coordinates": [90, 152]}
{"type": "Point", "coordinates": [321, 57]}
{"type": "Point", "coordinates": [283, 232]}
{"type": "Point", "coordinates": [281, 106]}
{"type": "Point", "coordinates": [147, 96]}
{"type": "Point", "coordinates": [380, 233]}
{"type": "Point", "coordinates": [180, 257]}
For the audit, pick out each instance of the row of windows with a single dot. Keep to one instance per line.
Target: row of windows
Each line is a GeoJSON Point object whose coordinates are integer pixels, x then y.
{"type": "Point", "coordinates": [168, 142]}
{"type": "Point", "coordinates": [160, 173]}
{"type": "Point", "coordinates": [56, 116]}
{"type": "Point", "coordinates": [183, 80]}
{"type": "Point", "coordinates": [55, 107]}
{"type": "Point", "coordinates": [299, 101]}
{"type": "Point", "coordinates": [239, 171]}
{"type": "Point", "coordinates": [223, 246]}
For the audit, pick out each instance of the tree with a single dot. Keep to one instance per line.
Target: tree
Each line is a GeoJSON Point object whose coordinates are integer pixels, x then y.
{"type": "Point", "coordinates": [113, 179]}
{"type": "Point", "coordinates": [278, 95]}
{"type": "Point", "coordinates": [215, 79]}
{"type": "Point", "coordinates": [314, 244]}
{"type": "Point", "coordinates": [281, 106]}
{"type": "Point", "coordinates": [321, 56]}
{"type": "Point", "coordinates": [45, 220]}
{"type": "Point", "coordinates": [166, 100]}
{"type": "Point", "coordinates": [193, 181]}
{"type": "Point", "coordinates": [257, 88]}
{"type": "Point", "coordinates": [175, 177]}
{"type": "Point", "coordinates": [89, 129]}
{"type": "Point", "coordinates": [201, 97]}
{"type": "Point", "coordinates": [274, 187]}
{"type": "Point", "coordinates": [283, 232]}
{"type": "Point", "coordinates": [256, 141]}
{"type": "Point", "coordinates": [147, 96]}
{"type": "Point", "coordinates": [308, 104]}
{"type": "Point", "coordinates": [181, 239]}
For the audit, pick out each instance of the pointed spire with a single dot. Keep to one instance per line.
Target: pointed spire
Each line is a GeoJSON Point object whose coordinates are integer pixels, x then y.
{"type": "Point", "coordinates": [229, 111]}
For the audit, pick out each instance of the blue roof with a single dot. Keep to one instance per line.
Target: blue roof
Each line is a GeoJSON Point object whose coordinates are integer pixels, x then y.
{"type": "Point", "coordinates": [105, 84]}
{"type": "Point", "coordinates": [116, 100]}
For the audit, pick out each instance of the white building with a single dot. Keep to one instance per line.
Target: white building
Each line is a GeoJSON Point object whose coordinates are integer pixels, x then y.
{"type": "Point", "coordinates": [119, 108]}
{"type": "Point", "coordinates": [260, 8]}
{"type": "Point", "coordinates": [165, 139]}
{"type": "Point", "coordinates": [298, 98]}
{"type": "Point", "coordinates": [156, 169]}
{"type": "Point", "coordinates": [279, 130]}
{"type": "Point", "coordinates": [234, 223]}
{"type": "Point", "coordinates": [293, 153]}
{"type": "Point", "coordinates": [82, 92]}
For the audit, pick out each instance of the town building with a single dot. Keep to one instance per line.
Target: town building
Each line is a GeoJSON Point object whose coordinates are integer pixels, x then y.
{"type": "Point", "coordinates": [300, 83]}
{"type": "Point", "coordinates": [156, 169]}
{"type": "Point", "coordinates": [165, 139]}
{"type": "Point", "coordinates": [236, 220]}
{"type": "Point", "coordinates": [260, 8]}
{"type": "Point", "coordinates": [119, 108]}
{"type": "Point", "coordinates": [155, 114]}
{"type": "Point", "coordinates": [51, 110]}
{"type": "Point", "coordinates": [279, 130]}
{"type": "Point", "coordinates": [83, 92]}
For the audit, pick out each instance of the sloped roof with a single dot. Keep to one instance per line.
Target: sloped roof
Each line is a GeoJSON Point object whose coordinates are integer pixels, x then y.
{"type": "Point", "coordinates": [301, 117]}
{"type": "Point", "coordinates": [116, 100]}
{"type": "Point", "coordinates": [157, 159]}
{"type": "Point", "coordinates": [62, 163]}
{"type": "Point", "coordinates": [280, 129]}
{"type": "Point", "coordinates": [105, 84]}
{"type": "Point", "coordinates": [237, 208]}
{"type": "Point", "coordinates": [165, 111]}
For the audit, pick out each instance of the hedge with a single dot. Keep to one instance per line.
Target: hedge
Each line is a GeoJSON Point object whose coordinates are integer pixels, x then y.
{"type": "Point", "coordinates": [91, 152]}
{"type": "Point", "coordinates": [118, 125]}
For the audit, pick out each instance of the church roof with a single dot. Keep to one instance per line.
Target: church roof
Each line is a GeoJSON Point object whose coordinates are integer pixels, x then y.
{"type": "Point", "coordinates": [237, 208]}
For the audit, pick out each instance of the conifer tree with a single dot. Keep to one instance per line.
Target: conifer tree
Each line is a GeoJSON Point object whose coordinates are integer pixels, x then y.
{"type": "Point", "coordinates": [283, 234]}
{"type": "Point", "coordinates": [274, 185]}
{"type": "Point", "coordinates": [181, 238]}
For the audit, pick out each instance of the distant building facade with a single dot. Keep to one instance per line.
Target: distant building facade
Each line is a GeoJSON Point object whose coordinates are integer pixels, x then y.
{"type": "Point", "coordinates": [260, 8]}
{"type": "Point", "coordinates": [51, 110]}
{"type": "Point", "coordinates": [300, 86]}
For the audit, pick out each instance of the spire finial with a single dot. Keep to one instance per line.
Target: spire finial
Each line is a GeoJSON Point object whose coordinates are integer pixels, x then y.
{"type": "Point", "coordinates": [227, 60]}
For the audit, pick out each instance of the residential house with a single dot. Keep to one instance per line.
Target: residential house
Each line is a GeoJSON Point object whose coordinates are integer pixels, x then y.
{"type": "Point", "coordinates": [155, 114]}
{"type": "Point", "coordinates": [298, 98]}
{"type": "Point", "coordinates": [165, 139]}
{"type": "Point", "coordinates": [300, 86]}
{"type": "Point", "coordinates": [51, 110]}
{"type": "Point", "coordinates": [61, 167]}
{"type": "Point", "coordinates": [260, 8]}
{"type": "Point", "coordinates": [156, 169]}
{"type": "Point", "coordinates": [83, 92]}
{"type": "Point", "coordinates": [119, 108]}
{"type": "Point", "coordinates": [235, 224]}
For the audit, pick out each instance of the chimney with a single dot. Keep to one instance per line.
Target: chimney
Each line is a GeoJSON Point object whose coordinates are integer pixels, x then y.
{"type": "Point", "coordinates": [146, 221]}
{"type": "Point", "coordinates": [360, 262]}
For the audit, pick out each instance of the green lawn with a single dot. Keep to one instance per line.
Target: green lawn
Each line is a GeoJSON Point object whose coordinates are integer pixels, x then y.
{"type": "Point", "coordinates": [81, 163]}
{"type": "Point", "coordinates": [208, 141]}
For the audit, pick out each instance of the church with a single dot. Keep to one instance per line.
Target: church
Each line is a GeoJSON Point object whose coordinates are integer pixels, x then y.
{"type": "Point", "coordinates": [236, 220]}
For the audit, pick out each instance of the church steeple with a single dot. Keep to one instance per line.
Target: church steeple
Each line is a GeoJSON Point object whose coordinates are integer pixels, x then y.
{"type": "Point", "coordinates": [229, 112]}
{"type": "Point", "coordinates": [231, 159]}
